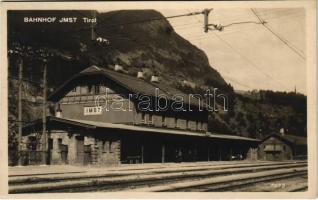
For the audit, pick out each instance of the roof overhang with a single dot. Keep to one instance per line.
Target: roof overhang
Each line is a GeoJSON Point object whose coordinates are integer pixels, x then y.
{"type": "Point", "coordinates": [54, 122]}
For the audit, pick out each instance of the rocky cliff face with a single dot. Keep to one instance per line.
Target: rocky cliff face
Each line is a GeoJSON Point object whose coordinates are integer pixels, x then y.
{"type": "Point", "coordinates": [134, 42]}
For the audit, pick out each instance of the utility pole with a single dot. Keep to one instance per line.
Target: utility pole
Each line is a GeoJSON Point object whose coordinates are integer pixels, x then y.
{"type": "Point", "coordinates": [206, 13]}
{"type": "Point", "coordinates": [20, 63]}
{"type": "Point", "coordinates": [93, 34]}
{"type": "Point", "coordinates": [44, 135]}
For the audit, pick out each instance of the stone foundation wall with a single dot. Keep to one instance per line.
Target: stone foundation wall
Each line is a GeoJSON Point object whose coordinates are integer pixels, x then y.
{"type": "Point", "coordinates": [103, 150]}
{"type": "Point", "coordinates": [106, 151]}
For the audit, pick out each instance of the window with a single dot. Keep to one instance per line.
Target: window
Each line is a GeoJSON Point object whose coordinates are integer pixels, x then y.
{"type": "Point", "coordinates": [90, 89]}
{"type": "Point", "coordinates": [143, 118]}
{"type": "Point", "coordinates": [164, 121]}
{"type": "Point", "coordinates": [104, 146]}
{"type": "Point", "coordinates": [150, 119]}
{"type": "Point", "coordinates": [110, 150]}
{"type": "Point", "coordinates": [59, 141]}
{"type": "Point", "coordinates": [97, 89]}
{"type": "Point", "coordinates": [176, 122]}
{"type": "Point", "coordinates": [187, 124]}
{"type": "Point", "coordinates": [32, 143]}
{"type": "Point", "coordinates": [201, 126]}
{"type": "Point", "coordinates": [196, 125]}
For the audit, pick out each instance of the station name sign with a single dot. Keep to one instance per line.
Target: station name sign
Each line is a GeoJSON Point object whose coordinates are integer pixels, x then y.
{"type": "Point", "coordinates": [58, 20]}
{"type": "Point", "coordinates": [93, 110]}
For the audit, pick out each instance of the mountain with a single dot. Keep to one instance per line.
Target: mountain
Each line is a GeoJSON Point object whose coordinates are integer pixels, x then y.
{"type": "Point", "coordinates": [138, 40]}
{"type": "Point", "coordinates": [150, 45]}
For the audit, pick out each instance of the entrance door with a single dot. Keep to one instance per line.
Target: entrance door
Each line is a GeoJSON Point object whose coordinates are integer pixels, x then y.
{"type": "Point", "coordinates": [49, 153]}
{"type": "Point", "coordinates": [64, 152]}
{"type": "Point", "coordinates": [80, 149]}
{"type": "Point", "coordinates": [87, 154]}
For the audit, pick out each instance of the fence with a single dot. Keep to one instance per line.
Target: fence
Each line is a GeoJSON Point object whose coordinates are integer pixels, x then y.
{"type": "Point", "coordinates": [28, 157]}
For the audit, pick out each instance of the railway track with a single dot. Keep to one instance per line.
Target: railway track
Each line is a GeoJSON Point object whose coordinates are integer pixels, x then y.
{"type": "Point", "coordinates": [201, 178]}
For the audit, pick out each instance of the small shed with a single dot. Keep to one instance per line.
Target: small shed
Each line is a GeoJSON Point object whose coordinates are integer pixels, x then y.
{"type": "Point", "coordinates": [278, 147]}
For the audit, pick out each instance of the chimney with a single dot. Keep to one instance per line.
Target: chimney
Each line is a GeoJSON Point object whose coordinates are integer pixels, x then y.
{"type": "Point", "coordinates": [282, 131]}
{"type": "Point", "coordinates": [154, 79]}
{"type": "Point", "coordinates": [118, 68]}
{"type": "Point", "coordinates": [140, 75]}
{"type": "Point", "coordinates": [58, 112]}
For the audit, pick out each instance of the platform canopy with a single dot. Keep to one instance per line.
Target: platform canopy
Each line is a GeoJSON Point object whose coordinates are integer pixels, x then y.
{"type": "Point", "coordinates": [56, 122]}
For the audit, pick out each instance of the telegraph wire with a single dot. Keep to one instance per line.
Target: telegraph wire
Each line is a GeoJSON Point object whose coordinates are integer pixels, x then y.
{"type": "Point", "coordinates": [237, 82]}
{"type": "Point", "coordinates": [238, 23]}
{"type": "Point", "coordinates": [244, 57]}
{"type": "Point", "coordinates": [273, 16]}
{"type": "Point", "coordinates": [248, 60]}
{"type": "Point", "coordinates": [278, 36]}
{"type": "Point", "coordinates": [226, 75]}
{"type": "Point", "coordinates": [233, 31]}
{"type": "Point", "coordinates": [291, 13]}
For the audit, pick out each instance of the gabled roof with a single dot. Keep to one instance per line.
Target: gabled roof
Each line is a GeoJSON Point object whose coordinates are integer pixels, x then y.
{"type": "Point", "coordinates": [133, 84]}
{"type": "Point", "coordinates": [129, 128]}
{"type": "Point", "coordinates": [298, 140]}
{"type": "Point", "coordinates": [292, 139]}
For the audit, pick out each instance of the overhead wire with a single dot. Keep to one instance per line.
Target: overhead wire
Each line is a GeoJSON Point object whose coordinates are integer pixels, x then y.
{"type": "Point", "coordinates": [282, 39]}
{"type": "Point", "coordinates": [249, 61]}
{"type": "Point", "coordinates": [242, 29]}
{"type": "Point", "coordinates": [237, 82]}
{"type": "Point", "coordinates": [239, 23]}
{"type": "Point", "coordinates": [275, 14]}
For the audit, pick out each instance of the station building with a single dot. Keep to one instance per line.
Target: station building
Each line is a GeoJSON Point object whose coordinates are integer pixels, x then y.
{"type": "Point", "coordinates": [100, 119]}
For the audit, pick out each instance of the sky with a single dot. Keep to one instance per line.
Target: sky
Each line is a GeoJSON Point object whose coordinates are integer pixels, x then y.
{"type": "Point", "coordinates": [249, 56]}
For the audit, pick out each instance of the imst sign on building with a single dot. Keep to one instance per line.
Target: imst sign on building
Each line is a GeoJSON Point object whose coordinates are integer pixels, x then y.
{"type": "Point", "coordinates": [93, 110]}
